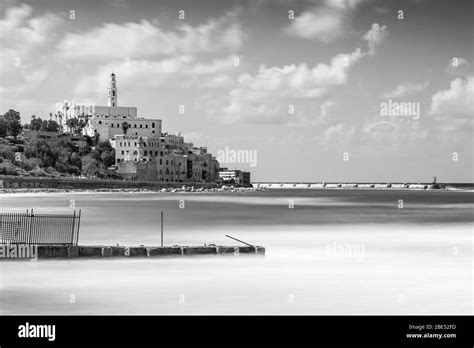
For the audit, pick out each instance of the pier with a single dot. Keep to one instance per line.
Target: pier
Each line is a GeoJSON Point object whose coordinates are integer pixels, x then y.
{"type": "Point", "coordinates": [105, 252]}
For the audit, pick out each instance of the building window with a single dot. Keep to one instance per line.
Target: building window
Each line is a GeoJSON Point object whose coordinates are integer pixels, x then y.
{"type": "Point", "coordinates": [100, 122]}
{"type": "Point", "coordinates": [123, 152]}
{"type": "Point", "coordinates": [113, 93]}
{"type": "Point", "coordinates": [153, 125]}
{"type": "Point", "coordinates": [156, 153]}
{"type": "Point", "coordinates": [146, 126]}
{"type": "Point", "coordinates": [166, 162]}
{"type": "Point", "coordinates": [141, 126]}
{"type": "Point", "coordinates": [134, 126]}
{"type": "Point", "coordinates": [161, 153]}
{"type": "Point", "coordinates": [161, 162]}
{"type": "Point", "coordinates": [145, 153]}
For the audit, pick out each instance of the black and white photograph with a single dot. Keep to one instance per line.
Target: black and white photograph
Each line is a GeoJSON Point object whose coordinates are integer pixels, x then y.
{"type": "Point", "coordinates": [204, 167]}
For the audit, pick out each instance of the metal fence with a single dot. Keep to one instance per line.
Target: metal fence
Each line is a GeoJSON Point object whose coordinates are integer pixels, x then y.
{"type": "Point", "coordinates": [39, 229]}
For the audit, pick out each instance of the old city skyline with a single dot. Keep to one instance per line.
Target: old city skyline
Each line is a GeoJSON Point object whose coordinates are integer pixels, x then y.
{"type": "Point", "coordinates": [301, 84]}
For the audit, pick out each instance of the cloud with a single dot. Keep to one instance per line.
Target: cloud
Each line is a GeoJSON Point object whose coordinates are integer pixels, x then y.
{"type": "Point", "coordinates": [455, 102]}
{"type": "Point", "coordinates": [183, 70]}
{"type": "Point", "coordinates": [403, 90]}
{"type": "Point", "coordinates": [379, 137]}
{"type": "Point", "coordinates": [267, 95]}
{"type": "Point", "coordinates": [458, 66]}
{"type": "Point", "coordinates": [22, 34]}
{"type": "Point", "coordinates": [375, 36]}
{"type": "Point", "coordinates": [25, 40]}
{"type": "Point", "coordinates": [144, 40]}
{"type": "Point", "coordinates": [325, 22]}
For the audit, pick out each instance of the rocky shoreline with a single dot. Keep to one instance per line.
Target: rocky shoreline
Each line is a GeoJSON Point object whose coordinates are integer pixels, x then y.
{"type": "Point", "coordinates": [188, 189]}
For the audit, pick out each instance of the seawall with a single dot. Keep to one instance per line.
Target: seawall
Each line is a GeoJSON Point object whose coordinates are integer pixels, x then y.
{"type": "Point", "coordinates": [19, 182]}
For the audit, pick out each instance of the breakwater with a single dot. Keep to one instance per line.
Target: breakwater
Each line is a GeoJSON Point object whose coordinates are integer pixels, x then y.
{"type": "Point", "coordinates": [14, 251]}
{"type": "Point", "coordinates": [347, 186]}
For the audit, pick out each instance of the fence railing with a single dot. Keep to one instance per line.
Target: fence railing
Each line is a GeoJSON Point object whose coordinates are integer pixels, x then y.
{"type": "Point", "coordinates": [39, 229]}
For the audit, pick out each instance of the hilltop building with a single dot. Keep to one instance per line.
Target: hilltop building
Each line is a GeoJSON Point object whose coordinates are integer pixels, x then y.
{"type": "Point", "coordinates": [142, 150]}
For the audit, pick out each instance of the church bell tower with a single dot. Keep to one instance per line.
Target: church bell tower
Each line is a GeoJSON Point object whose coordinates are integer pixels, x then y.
{"type": "Point", "coordinates": [112, 92]}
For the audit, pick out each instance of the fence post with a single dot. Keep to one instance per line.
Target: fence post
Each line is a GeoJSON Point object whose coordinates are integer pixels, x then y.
{"type": "Point", "coordinates": [78, 225]}
{"type": "Point", "coordinates": [31, 226]}
{"type": "Point", "coordinates": [73, 225]}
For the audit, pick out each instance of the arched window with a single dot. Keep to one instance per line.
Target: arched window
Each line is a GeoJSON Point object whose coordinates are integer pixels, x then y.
{"type": "Point", "coordinates": [134, 126]}
{"type": "Point", "coordinates": [145, 153]}
{"type": "Point", "coordinates": [156, 153]}
{"type": "Point", "coordinates": [141, 126]}
{"type": "Point", "coordinates": [167, 171]}
{"type": "Point", "coordinates": [146, 126]}
{"type": "Point", "coordinates": [161, 162]}
{"type": "Point", "coordinates": [166, 162]}
{"type": "Point", "coordinates": [113, 93]}
{"type": "Point", "coordinates": [161, 153]}
{"type": "Point", "coordinates": [153, 125]}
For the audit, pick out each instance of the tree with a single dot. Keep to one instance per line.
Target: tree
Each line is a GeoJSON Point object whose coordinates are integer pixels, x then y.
{"type": "Point", "coordinates": [50, 126]}
{"type": "Point", "coordinates": [12, 124]}
{"type": "Point", "coordinates": [3, 127]}
{"type": "Point", "coordinates": [73, 124]}
{"type": "Point", "coordinates": [104, 153]}
{"type": "Point", "coordinates": [35, 123]}
{"type": "Point", "coordinates": [125, 127]}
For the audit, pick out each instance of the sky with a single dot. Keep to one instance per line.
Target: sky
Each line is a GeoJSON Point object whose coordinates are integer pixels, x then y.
{"type": "Point", "coordinates": [302, 86]}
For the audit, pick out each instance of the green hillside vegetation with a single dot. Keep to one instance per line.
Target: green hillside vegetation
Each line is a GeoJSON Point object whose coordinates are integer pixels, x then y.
{"type": "Point", "coordinates": [57, 156]}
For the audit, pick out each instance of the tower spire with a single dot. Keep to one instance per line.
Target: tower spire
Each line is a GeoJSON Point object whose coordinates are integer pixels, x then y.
{"type": "Point", "coordinates": [112, 96]}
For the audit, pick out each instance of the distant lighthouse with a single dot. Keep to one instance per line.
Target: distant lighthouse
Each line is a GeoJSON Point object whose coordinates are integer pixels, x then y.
{"type": "Point", "coordinates": [112, 92]}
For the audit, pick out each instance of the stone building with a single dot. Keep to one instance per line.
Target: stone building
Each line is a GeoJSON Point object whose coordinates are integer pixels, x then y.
{"type": "Point", "coordinates": [142, 150]}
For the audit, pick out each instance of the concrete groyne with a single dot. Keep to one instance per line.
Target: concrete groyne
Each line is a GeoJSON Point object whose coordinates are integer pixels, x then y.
{"type": "Point", "coordinates": [101, 251]}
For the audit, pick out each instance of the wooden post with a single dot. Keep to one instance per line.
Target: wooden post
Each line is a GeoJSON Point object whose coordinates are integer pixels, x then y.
{"type": "Point", "coordinates": [162, 228]}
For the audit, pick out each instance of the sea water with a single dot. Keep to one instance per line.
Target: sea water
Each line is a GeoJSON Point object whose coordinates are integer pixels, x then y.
{"type": "Point", "coordinates": [327, 252]}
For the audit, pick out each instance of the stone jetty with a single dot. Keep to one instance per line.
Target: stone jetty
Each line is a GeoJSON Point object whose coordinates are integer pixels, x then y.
{"type": "Point", "coordinates": [101, 251]}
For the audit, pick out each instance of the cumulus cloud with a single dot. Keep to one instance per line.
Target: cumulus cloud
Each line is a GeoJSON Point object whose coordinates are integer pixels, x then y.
{"type": "Point", "coordinates": [177, 71]}
{"type": "Point", "coordinates": [455, 102]}
{"type": "Point", "coordinates": [266, 95]}
{"type": "Point", "coordinates": [25, 39]}
{"type": "Point", "coordinates": [403, 90]}
{"type": "Point", "coordinates": [325, 22]}
{"type": "Point", "coordinates": [144, 40]}
{"type": "Point", "coordinates": [375, 36]}
{"type": "Point", "coordinates": [22, 34]}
